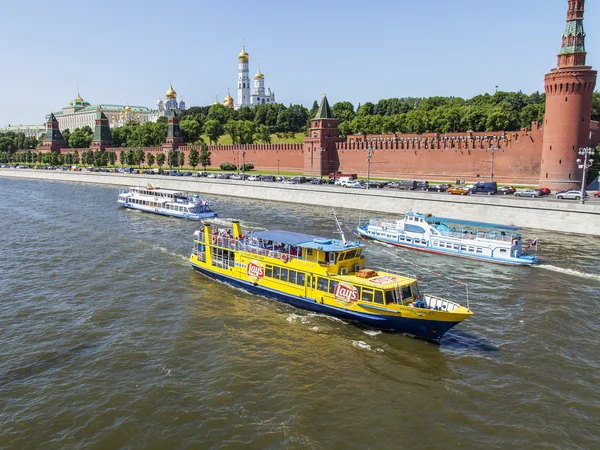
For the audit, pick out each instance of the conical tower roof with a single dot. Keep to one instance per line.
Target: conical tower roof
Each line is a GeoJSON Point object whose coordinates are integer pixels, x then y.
{"type": "Point", "coordinates": [324, 111]}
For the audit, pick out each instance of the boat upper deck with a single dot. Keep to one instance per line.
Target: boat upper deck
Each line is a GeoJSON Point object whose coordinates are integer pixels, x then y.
{"type": "Point", "coordinates": [304, 240]}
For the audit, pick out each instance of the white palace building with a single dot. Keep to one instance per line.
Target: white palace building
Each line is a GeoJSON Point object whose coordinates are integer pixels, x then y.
{"type": "Point", "coordinates": [80, 113]}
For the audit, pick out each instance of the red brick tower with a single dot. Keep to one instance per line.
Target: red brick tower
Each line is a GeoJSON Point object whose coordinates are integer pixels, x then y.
{"type": "Point", "coordinates": [569, 90]}
{"type": "Point", "coordinates": [53, 139]}
{"type": "Point", "coordinates": [320, 153]}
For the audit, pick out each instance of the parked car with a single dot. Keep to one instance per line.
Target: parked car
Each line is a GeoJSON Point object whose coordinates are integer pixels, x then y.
{"type": "Point", "coordinates": [596, 194]}
{"type": "Point", "coordinates": [317, 181]}
{"type": "Point", "coordinates": [528, 193]}
{"type": "Point", "coordinates": [437, 188]}
{"type": "Point", "coordinates": [485, 187]}
{"type": "Point", "coordinates": [571, 194]}
{"type": "Point", "coordinates": [458, 190]}
{"type": "Point", "coordinates": [354, 184]}
{"type": "Point", "coordinates": [373, 184]}
{"type": "Point", "coordinates": [254, 178]}
{"type": "Point", "coordinates": [409, 185]}
{"type": "Point", "coordinates": [393, 184]}
{"type": "Point", "coordinates": [545, 191]}
{"type": "Point", "coordinates": [423, 185]}
{"type": "Point", "coordinates": [299, 180]}
{"type": "Point", "coordinates": [211, 175]}
{"type": "Point", "coordinates": [506, 190]}
{"type": "Point", "coordinates": [269, 178]}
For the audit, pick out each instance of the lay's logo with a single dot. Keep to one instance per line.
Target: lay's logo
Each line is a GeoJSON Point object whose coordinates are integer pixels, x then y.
{"type": "Point", "coordinates": [346, 292]}
{"type": "Point", "coordinates": [255, 270]}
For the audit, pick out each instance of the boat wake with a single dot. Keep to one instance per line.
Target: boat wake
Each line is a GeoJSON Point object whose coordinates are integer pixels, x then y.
{"type": "Point", "coordinates": [572, 272]}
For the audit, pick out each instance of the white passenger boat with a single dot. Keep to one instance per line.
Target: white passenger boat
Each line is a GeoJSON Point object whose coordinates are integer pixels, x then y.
{"type": "Point", "coordinates": [166, 202]}
{"type": "Point", "coordinates": [475, 240]}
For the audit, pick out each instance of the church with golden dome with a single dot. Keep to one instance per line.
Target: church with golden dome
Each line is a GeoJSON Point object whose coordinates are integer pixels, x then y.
{"type": "Point", "coordinates": [259, 95]}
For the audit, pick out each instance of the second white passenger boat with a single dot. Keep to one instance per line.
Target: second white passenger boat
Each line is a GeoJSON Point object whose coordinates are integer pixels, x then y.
{"type": "Point", "coordinates": [474, 240]}
{"type": "Point", "coordinates": [166, 202]}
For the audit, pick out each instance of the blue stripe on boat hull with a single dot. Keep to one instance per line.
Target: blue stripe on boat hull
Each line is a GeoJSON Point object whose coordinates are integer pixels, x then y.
{"type": "Point", "coordinates": [432, 330]}
{"type": "Point", "coordinates": [512, 262]}
{"type": "Point", "coordinates": [200, 216]}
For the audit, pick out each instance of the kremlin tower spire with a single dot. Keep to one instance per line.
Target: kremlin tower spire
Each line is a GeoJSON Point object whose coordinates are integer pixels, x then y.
{"type": "Point", "coordinates": [572, 51]}
{"type": "Point", "coordinates": [569, 92]}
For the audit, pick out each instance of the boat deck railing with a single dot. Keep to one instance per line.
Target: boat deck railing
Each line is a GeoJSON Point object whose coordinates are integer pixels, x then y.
{"type": "Point", "coordinates": [248, 245]}
{"type": "Point", "coordinates": [439, 303]}
{"type": "Point", "coordinates": [382, 223]}
{"type": "Point", "coordinates": [479, 235]}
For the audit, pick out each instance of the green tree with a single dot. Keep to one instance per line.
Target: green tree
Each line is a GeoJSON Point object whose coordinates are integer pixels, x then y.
{"type": "Point", "coordinates": [139, 157]}
{"type": "Point", "coordinates": [263, 134]}
{"type": "Point", "coordinates": [160, 159]}
{"type": "Point", "coordinates": [180, 158]}
{"type": "Point", "coordinates": [81, 137]}
{"type": "Point", "coordinates": [66, 133]}
{"type": "Point", "coordinates": [191, 130]}
{"type": "Point", "coordinates": [232, 129]}
{"type": "Point", "coordinates": [194, 157]}
{"type": "Point", "coordinates": [151, 159]}
{"type": "Point", "coordinates": [172, 158]}
{"type": "Point", "coordinates": [112, 157]}
{"type": "Point", "coordinates": [204, 155]}
{"type": "Point", "coordinates": [123, 157]}
{"type": "Point", "coordinates": [343, 111]}
{"type": "Point", "coordinates": [213, 129]}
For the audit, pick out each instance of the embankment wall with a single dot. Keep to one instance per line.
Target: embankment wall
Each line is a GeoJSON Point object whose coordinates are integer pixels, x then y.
{"type": "Point", "coordinates": [567, 216]}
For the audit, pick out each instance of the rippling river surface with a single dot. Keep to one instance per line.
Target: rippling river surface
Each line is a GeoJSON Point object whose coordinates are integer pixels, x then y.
{"type": "Point", "coordinates": [108, 339]}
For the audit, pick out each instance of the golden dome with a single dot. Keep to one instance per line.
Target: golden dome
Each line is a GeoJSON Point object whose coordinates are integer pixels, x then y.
{"type": "Point", "coordinates": [259, 75]}
{"type": "Point", "coordinates": [128, 108]}
{"type": "Point", "coordinates": [78, 98]}
{"type": "Point", "coordinates": [228, 101]}
{"type": "Point", "coordinates": [216, 100]}
{"type": "Point", "coordinates": [243, 56]}
{"type": "Point", "coordinates": [171, 93]}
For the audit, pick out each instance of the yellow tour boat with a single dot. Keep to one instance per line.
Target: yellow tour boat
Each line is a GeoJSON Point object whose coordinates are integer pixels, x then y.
{"type": "Point", "coordinates": [324, 275]}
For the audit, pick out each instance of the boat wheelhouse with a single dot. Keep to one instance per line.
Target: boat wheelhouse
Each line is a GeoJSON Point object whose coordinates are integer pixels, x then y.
{"type": "Point", "coordinates": [323, 275]}
{"type": "Point", "coordinates": [166, 202]}
{"type": "Point", "coordinates": [468, 239]}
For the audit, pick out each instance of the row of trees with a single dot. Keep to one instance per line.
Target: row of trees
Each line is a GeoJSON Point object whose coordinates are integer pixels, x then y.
{"type": "Point", "coordinates": [104, 158]}
{"type": "Point", "coordinates": [11, 141]}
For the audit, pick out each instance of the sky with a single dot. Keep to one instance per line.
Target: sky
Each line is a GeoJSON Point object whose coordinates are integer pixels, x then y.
{"type": "Point", "coordinates": [127, 51]}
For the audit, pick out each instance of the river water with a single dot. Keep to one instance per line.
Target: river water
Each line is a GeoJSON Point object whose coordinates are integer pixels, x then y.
{"type": "Point", "coordinates": [108, 339]}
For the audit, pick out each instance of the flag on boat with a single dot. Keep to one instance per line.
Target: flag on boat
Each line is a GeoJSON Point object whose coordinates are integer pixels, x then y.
{"type": "Point", "coordinates": [532, 243]}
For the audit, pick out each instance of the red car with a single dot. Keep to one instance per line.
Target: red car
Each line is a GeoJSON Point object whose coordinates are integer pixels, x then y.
{"type": "Point", "coordinates": [596, 194]}
{"type": "Point", "coordinates": [545, 191]}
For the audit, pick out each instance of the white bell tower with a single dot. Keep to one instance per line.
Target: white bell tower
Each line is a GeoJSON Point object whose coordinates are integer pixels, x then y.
{"type": "Point", "coordinates": [243, 80]}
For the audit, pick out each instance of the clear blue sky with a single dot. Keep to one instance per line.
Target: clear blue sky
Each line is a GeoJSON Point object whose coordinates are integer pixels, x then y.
{"type": "Point", "coordinates": [127, 51]}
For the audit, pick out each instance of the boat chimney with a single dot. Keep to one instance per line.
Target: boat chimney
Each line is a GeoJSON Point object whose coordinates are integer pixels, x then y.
{"type": "Point", "coordinates": [237, 230]}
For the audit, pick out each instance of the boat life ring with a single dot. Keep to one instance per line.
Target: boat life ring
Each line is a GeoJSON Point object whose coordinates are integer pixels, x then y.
{"type": "Point", "coordinates": [284, 257]}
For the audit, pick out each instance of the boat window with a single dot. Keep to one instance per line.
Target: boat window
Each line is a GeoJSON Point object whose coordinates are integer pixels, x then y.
{"type": "Point", "coordinates": [309, 251]}
{"type": "Point", "coordinates": [463, 248]}
{"type": "Point", "coordinates": [358, 253]}
{"type": "Point", "coordinates": [292, 277]}
{"type": "Point", "coordinates": [331, 258]}
{"type": "Point", "coordinates": [379, 297]}
{"type": "Point", "coordinates": [284, 274]}
{"type": "Point", "coordinates": [351, 254]}
{"type": "Point", "coordinates": [456, 247]}
{"type": "Point", "coordinates": [276, 272]}
{"type": "Point", "coordinates": [322, 284]}
{"type": "Point", "coordinates": [332, 285]}
{"type": "Point", "coordinates": [415, 289]}
{"type": "Point", "coordinates": [406, 294]}
{"type": "Point", "coordinates": [502, 250]}
{"type": "Point", "coordinates": [479, 250]}
{"type": "Point", "coordinates": [367, 295]}
{"type": "Point", "coordinates": [269, 271]}
{"type": "Point", "coordinates": [301, 278]}
{"type": "Point", "coordinates": [390, 297]}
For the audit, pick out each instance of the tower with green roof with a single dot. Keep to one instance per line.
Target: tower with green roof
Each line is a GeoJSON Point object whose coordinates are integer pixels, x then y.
{"type": "Point", "coordinates": [320, 150]}
{"type": "Point", "coordinates": [53, 139]}
{"type": "Point", "coordinates": [102, 135]}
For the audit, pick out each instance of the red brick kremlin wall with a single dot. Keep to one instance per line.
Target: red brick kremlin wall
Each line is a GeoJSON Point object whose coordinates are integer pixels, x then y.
{"type": "Point", "coordinates": [430, 156]}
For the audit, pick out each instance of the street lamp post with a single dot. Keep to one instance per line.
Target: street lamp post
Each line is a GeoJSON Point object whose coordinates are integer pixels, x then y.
{"type": "Point", "coordinates": [493, 148]}
{"type": "Point", "coordinates": [584, 164]}
{"type": "Point", "coordinates": [243, 164]}
{"type": "Point", "coordinates": [369, 155]}
{"type": "Point", "coordinates": [277, 166]}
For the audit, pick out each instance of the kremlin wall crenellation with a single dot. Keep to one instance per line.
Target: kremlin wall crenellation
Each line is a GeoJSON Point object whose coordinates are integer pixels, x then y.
{"type": "Point", "coordinates": [545, 155]}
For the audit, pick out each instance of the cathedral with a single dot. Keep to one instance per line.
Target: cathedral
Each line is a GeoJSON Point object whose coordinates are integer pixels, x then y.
{"type": "Point", "coordinates": [259, 95]}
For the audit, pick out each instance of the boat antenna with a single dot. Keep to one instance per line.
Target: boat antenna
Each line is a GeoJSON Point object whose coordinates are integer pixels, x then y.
{"type": "Point", "coordinates": [338, 225]}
